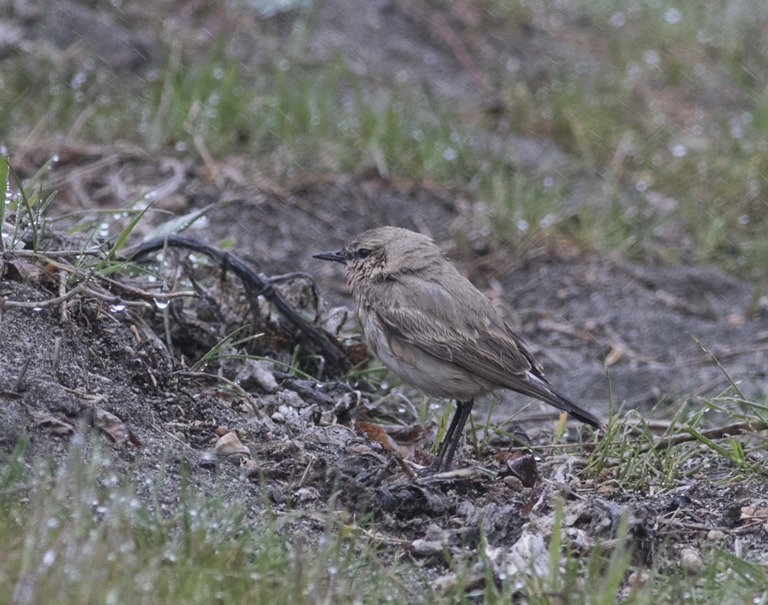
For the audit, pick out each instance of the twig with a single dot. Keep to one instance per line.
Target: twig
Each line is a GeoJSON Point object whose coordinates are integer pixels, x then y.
{"type": "Point", "coordinates": [62, 291]}
{"type": "Point", "coordinates": [17, 385]}
{"type": "Point", "coordinates": [46, 258]}
{"type": "Point", "coordinates": [234, 385]}
{"type": "Point", "coordinates": [50, 253]}
{"type": "Point", "coordinates": [255, 286]}
{"type": "Point", "coordinates": [16, 304]}
{"type": "Point", "coordinates": [56, 351]}
{"type": "Point", "coordinates": [716, 433]}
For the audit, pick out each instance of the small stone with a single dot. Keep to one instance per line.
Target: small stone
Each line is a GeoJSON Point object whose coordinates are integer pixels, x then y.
{"type": "Point", "coordinates": [306, 494]}
{"type": "Point", "coordinates": [605, 490]}
{"type": "Point", "coordinates": [715, 535]}
{"type": "Point", "coordinates": [221, 430]}
{"type": "Point", "coordinates": [690, 560]}
{"type": "Point", "coordinates": [637, 579]}
{"type": "Point", "coordinates": [513, 483]}
{"type": "Point", "coordinates": [426, 548]}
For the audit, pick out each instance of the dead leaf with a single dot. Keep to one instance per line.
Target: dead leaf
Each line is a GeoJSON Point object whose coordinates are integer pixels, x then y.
{"type": "Point", "coordinates": [376, 432]}
{"type": "Point", "coordinates": [55, 425]}
{"type": "Point", "coordinates": [23, 271]}
{"type": "Point", "coordinates": [410, 440]}
{"type": "Point", "coordinates": [755, 512]}
{"type": "Point", "coordinates": [524, 468]}
{"type": "Point", "coordinates": [614, 355]}
{"type": "Point", "coordinates": [113, 428]}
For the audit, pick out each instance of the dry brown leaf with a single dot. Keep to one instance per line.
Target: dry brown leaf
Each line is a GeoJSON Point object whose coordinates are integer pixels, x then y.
{"type": "Point", "coordinates": [524, 468]}
{"type": "Point", "coordinates": [26, 272]}
{"type": "Point", "coordinates": [113, 428]}
{"type": "Point", "coordinates": [376, 432]}
{"type": "Point", "coordinates": [614, 355]}
{"type": "Point", "coordinates": [55, 425]}
{"type": "Point", "coordinates": [755, 512]}
{"type": "Point", "coordinates": [409, 440]}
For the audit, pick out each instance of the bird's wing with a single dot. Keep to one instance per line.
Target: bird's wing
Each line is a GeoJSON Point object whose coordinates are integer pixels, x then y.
{"type": "Point", "coordinates": [467, 331]}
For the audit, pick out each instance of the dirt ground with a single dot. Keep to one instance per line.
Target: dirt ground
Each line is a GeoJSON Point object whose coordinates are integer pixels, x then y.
{"type": "Point", "coordinates": [592, 320]}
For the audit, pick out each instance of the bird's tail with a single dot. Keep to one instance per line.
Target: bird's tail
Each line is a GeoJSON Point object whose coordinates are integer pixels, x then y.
{"type": "Point", "coordinates": [541, 389]}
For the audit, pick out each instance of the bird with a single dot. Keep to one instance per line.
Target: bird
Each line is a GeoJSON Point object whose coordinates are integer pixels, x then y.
{"type": "Point", "coordinates": [434, 329]}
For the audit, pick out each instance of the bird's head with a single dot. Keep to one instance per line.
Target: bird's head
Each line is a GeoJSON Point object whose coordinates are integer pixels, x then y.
{"type": "Point", "coordinates": [384, 251]}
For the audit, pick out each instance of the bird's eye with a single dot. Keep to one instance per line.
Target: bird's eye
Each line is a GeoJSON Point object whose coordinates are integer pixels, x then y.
{"type": "Point", "coordinates": [364, 253]}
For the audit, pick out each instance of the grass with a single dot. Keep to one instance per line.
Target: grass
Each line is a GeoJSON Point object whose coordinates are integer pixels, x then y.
{"type": "Point", "coordinates": [677, 175]}
{"type": "Point", "coordinates": [80, 535]}
{"type": "Point", "coordinates": [638, 110]}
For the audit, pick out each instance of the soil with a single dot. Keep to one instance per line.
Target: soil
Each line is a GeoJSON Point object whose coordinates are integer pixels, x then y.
{"type": "Point", "coordinates": [607, 332]}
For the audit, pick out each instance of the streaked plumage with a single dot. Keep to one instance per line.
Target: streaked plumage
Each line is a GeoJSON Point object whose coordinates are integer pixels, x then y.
{"type": "Point", "coordinates": [430, 326]}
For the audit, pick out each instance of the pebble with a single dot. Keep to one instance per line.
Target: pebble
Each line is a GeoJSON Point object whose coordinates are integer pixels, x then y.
{"type": "Point", "coordinates": [690, 560]}
{"type": "Point", "coordinates": [715, 535]}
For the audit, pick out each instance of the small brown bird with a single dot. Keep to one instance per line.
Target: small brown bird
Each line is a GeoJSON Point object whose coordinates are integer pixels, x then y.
{"type": "Point", "coordinates": [435, 330]}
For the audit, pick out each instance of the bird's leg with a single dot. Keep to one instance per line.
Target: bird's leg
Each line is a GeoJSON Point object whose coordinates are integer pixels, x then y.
{"type": "Point", "coordinates": [452, 436]}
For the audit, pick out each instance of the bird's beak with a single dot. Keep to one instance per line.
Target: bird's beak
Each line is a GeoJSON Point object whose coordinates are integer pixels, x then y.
{"type": "Point", "coordinates": [336, 257]}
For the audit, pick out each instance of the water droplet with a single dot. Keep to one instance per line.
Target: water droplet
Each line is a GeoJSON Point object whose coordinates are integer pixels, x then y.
{"type": "Point", "coordinates": [547, 221]}
{"type": "Point", "coordinates": [641, 186]}
{"type": "Point", "coordinates": [548, 181]}
{"type": "Point", "coordinates": [161, 304]}
{"type": "Point", "coordinates": [202, 223]}
{"type": "Point", "coordinates": [450, 154]}
{"type": "Point", "coordinates": [673, 15]}
{"type": "Point", "coordinates": [522, 225]}
{"type": "Point", "coordinates": [78, 80]}
{"type": "Point", "coordinates": [679, 150]}
{"type": "Point", "coordinates": [49, 558]}
{"type": "Point", "coordinates": [651, 57]}
{"type": "Point", "coordinates": [170, 556]}
{"type": "Point", "coordinates": [117, 308]}
{"type": "Point", "coordinates": [618, 19]}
